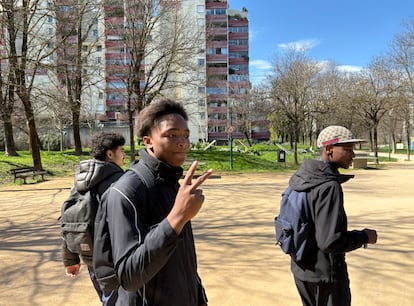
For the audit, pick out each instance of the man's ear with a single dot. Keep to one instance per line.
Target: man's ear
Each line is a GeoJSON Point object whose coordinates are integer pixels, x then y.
{"type": "Point", "coordinates": [109, 155]}
{"type": "Point", "coordinates": [328, 150]}
{"type": "Point", "coordinates": [147, 141]}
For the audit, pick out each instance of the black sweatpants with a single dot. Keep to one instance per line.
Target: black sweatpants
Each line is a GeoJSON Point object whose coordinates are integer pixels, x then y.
{"type": "Point", "coordinates": [324, 294]}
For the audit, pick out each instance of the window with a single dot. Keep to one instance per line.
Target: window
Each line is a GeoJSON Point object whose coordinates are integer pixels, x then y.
{"type": "Point", "coordinates": [99, 48]}
{"type": "Point", "coordinates": [216, 91]}
{"type": "Point", "coordinates": [200, 8]}
{"type": "Point", "coordinates": [216, 12]}
{"type": "Point", "coordinates": [49, 19]}
{"type": "Point", "coordinates": [201, 62]}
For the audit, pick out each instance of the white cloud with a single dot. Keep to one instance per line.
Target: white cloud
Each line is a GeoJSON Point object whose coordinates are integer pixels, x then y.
{"type": "Point", "coordinates": [261, 64]}
{"type": "Point", "coordinates": [300, 45]}
{"type": "Point", "coordinates": [349, 68]}
{"type": "Point", "coordinates": [259, 69]}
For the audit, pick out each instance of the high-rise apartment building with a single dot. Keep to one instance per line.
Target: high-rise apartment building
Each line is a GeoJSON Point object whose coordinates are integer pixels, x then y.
{"type": "Point", "coordinates": [213, 91]}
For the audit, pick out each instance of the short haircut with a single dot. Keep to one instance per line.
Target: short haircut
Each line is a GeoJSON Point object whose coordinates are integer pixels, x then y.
{"type": "Point", "coordinates": [104, 141]}
{"type": "Point", "coordinates": [147, 119]}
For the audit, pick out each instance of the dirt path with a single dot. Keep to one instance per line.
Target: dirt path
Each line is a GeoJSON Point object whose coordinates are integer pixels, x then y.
{"type": "Point", "coordinates": [238, 261]}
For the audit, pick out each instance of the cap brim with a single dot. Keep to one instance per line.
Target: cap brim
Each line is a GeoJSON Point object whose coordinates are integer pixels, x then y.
{"type": "Point", "coordinates": [351, 141]}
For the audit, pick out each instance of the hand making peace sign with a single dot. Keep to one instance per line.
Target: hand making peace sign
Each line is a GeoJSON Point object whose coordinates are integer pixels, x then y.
{"type": "Point", "coordinates": [188, 200]}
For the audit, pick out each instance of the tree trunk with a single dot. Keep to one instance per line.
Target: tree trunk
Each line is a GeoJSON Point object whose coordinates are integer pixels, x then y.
{"type": "Point", "coordinates": [76, 133]}
{"type": "Point", "coordinates": [10, 148]}
{"type": "Point", "coordinates": [131, 135]}
{"type": "Point", "coordinates": [33, 136]}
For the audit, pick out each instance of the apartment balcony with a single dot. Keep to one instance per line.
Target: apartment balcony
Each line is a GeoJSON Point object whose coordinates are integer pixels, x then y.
{"type": "Point", "coordinates": [114, 32]}
{"type": "Point", "coordinates": [216, 44]}
{"type": "Point", "coordinates": [217, 110]}
{"type": "Point", "coordinates": [216, 83]}
{"type": "Point", "coordinates": [243, 22]}
{"type": "Point", "coordinates": [217, 136]}
{"type": "Point", "coordinates": [238, 35]}
{"type": "Point", "coordinates": [238, 60]}
{"type": "Point", "coordinates": [214, 97]}
{"type": "Point", "coordinates": [114, 44]}
{"type": "Point", "coordinates": [216, 122]}
{"type": "Point", "coordinates": [114, 102]}
{"type": "Point", "coordinates": [116, 55]}
{"type": "Point", "coordinates": [114, 20]}
{"type": "Point", "coordinates": [216, 70]}
{"type": "Point", "coordinates": [109, 69]}
{"type": "Point", "coordinates": [216, 58]}
{"type": "Point", "coordinates": [216, 4]}
{"type": "Point", "coordinates": [116, 90]}
{"type": "Point", "coordinates": [234, 48]}
{"type": "Point", "coordinates": [218, 18]}
{"type": "Point", "coordinates": [211, 32]}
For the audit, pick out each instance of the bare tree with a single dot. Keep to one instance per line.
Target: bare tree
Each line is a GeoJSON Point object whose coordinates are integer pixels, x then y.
{"type": "Point", "coordinates": [373, 95]}
{"type": "Point", "coordinates": [293, 84]}
{"type": "Point", "coordinates": [7, 99]}
{"type": "Point", "coordinates": [159, 43]}
{"type": "Point", "coordinates": [26, 42]}
{"type": "Point", "coordinates": [402, 55]}
{"type": "Point", "coordinates": [76, 40]}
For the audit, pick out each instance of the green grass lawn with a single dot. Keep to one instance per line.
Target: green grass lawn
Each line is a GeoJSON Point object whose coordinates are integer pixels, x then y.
{"type": "Point", "coordinates": [260, 158]}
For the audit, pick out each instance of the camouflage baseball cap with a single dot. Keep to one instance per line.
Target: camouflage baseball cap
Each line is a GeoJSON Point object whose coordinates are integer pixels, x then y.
{"type": "Point", "coordinates": [336, 134]}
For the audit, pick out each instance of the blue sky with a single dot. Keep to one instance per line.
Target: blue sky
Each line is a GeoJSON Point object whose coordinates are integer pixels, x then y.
{"type": "Point", "coordinates": [348, 32]}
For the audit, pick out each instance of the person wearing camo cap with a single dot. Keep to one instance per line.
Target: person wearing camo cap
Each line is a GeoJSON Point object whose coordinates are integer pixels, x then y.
{"type": "Point", "coordinates": [322, 277]}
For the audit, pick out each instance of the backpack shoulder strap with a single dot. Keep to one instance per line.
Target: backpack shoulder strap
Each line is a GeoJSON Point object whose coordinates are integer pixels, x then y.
{"type": "Point", "coordinates": [144, 173]}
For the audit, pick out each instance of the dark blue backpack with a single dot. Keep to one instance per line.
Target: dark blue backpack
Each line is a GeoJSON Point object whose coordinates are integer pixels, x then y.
{"type": "Point", "coordinates": [294, 225]}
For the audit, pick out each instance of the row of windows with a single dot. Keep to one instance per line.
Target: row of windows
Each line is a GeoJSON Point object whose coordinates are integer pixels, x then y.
{"type": "Point", "coordinates": [217, 116]}
{"type": "Point", "coordinates": [217, 129]}
{"type": "Point", "coordinates": [216, 12]}
{"type": "Point", "coordinates": [238, 42]}
{"type": "Point", "coordinates": [238, 29]}
{"type": "Point", "coordinates": [238, 54]}
{"type": "Point", "coordinates": [238, 77]}
{"type": "Point", "coordinates": [219, 103]}
{"type": "Point", "coordinates": [115, 96]}
{"type": "Point", "coordinates": [241, 67]}
{"type": "Point", "coordinates": [216, 91]}
{"type": "Point", "coordinates": [213, 51]}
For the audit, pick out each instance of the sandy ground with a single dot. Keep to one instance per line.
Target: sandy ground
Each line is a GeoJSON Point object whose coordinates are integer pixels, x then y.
{"type": "Point", "coordinates": [238, 261]}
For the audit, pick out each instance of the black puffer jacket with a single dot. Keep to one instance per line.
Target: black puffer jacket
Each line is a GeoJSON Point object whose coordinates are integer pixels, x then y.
{"type": "Point", "coordinates": [149, 257]}
{"type": "Point", "coordinates": [323, 182]}
{"type": "Point", "coordinates": [97, 176]}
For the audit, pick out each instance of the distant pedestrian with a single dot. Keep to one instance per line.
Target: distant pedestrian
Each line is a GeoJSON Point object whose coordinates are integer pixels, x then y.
{"type": "Point", "coordinates": [322, 277]}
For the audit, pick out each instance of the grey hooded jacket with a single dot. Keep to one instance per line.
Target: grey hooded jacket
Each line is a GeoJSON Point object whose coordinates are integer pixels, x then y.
{"type": "Point", "coordinates": [97, 176]}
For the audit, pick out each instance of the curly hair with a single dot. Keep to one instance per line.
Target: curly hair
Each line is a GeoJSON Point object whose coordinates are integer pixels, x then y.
{"type": "Point", "coordinates": [104, 141]}
{"type": "Point", "coordinates": [148, 117]}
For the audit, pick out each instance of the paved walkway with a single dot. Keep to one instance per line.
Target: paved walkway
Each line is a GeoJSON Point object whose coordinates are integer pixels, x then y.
{"type": "Point", "coordinates": [238, 261]}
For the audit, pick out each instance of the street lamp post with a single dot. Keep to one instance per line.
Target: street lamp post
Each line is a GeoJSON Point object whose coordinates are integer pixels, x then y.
{"type": "Point", "coordinates": [230, 131]}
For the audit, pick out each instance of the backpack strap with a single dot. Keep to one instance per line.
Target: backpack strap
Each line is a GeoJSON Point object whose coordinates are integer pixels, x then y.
{"type": "Point", "coordinates": [144, 173]}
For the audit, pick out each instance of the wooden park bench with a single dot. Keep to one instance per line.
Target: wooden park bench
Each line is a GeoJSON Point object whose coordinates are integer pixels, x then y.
{"type": "Point", "coordinates": [25, 172]}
